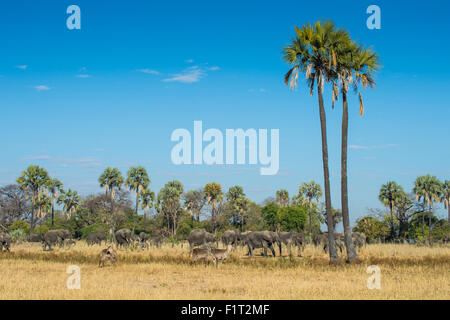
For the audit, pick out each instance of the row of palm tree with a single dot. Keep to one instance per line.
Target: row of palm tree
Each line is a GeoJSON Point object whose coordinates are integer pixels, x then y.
{"type": "Point", "coordinates": [44, 191]}
{"type": "Point", "coordinates": [427, 189]}
{"type": "Point", "coordinates": [328, 55]}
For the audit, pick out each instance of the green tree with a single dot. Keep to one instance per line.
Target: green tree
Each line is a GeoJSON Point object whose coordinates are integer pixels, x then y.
{"type": "Point", "coordinates": [239, 203]}
{"type": "Point", "coordinates": [213, 193]}
{"type": "Point", "coordinates": [445, 197]}
{"type": "Point", "coordinates": [428, 189]}
{"type": "Point", "coordinates": [137, 180]}
{"type": "Point", "coordinates": [388, 194]}
{"type": "Point", "coordinates": [310, 191]}
{"type": "Point", "coordinates": [111, 179]}
{"type": "Point", "coordinates": [270, 214]}
{"type": "Point", "coordinates": [34, 181]}
{"type": "Point", "coordinates": [70, 200]}
{"type": "Point", "coordinates": [54, 187]}
{"type": "Point", "coordinates": [292, 219]}
{"type": "Point", "coordinates": [282, 197]}
{"type": "Point", "coordinates": [169, 204]}
{"type": "Point", "coordinates": [194, 201]}
{"type": "Point", "coordinates": [311, 52]}
{"type": "Point", "coordinates": [372, 227]}
{"type": "Point", "coordinates": [147, 198]}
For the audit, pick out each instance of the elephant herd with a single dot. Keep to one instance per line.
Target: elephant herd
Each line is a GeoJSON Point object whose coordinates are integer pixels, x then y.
{"type": "Point", "coordinates": [265, 240]}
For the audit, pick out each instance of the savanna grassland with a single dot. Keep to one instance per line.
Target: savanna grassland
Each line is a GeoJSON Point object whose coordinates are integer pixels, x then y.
{"type": "Point", "coordinates": [407, 272]}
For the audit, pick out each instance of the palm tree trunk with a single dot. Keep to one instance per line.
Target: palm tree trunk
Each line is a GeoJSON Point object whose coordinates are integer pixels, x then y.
{"type": "Point", "coordinates": [448, 209]}
{"type": "Point", "coordinates": [391, 208]}
{"type": "Point", "coordinates": [429, 226]}
{"type": "Point", "coordinates": [326, 175]}
{"type": "Point", "coordinates": [53, 215]}
{"type": "Point", "coordinates": [32, 213]}
{"type": "Point", "coordinates": [310, 222]}
{"type": "Point", "coordinates": [136, 211]}
{"type": "Point", "coordinates": [351, 252]}
{"type": "Point", "coordinates": [423, 221]}
{"type": "Point", "coordinates": [112, 227]}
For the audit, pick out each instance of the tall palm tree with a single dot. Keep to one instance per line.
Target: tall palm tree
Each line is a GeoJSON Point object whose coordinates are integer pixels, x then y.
{"type": "Point", "coordinates": [111, 179]}
{"type": "Point", "coordinates": [282, 197]}
{"type": "Point", "coordinates": [137, 180]}
{"type": "Point", "coordinates": [54, 188]}
{"type": "Point", "coordinates": [310, 191]}
{"type": "Point", "coordinates": [427, 188]}
{"type": "Point", "coordinates": [44, 205]}
{"type": "Point", "coordinates": [445, 197]}
{"type": "Point", "coordinates": [363, 63]}
{"type": "Point", "coordinates": [388, 194]}
{"type": "Point", "coordinates": [70, 200]}
{"type": "Point", "coordinates": [213, 193]}
{"type": "Point", "coordinates": [34, 181]}
{"type": "Point", "coordinates": [146, 197]}
{"type": "Point", "coordinates": [311, 52]}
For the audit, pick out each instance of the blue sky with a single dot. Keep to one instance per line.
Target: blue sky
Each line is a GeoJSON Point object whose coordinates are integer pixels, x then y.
{"type": "Point", "coordinates": [110, 94]}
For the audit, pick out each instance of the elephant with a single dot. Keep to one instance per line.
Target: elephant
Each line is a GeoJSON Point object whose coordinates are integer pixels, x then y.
{"type": "Point", "coordinates": [292, 238]}
{"type": "Point", "coordinates": [322, 240]}
{"type": "Point", "coordinates": [53, 237]}
{"type": "Point", "coordinates": [35, 237]}
{"type": "Point", "coordinates": [95, 238]}
{"type": "Point", "coordinates": [200, 237]}
{"type": "Point", "coordinates": [157, 240]}
{"type": "Point", "coordinates": [262, 239]}
{"type": "Point", "coordinates": [359, 239]}
{"type": "Point", "coordinates": [339, 240]}
{"type": "Point", "coordinates": [5, 241]}
{"type": "Point", "coordinates": [231, 237]}
{"type": "Point", "coordinates": [123, 237]}
{"type": "Point", "coordinates": [143, 239]}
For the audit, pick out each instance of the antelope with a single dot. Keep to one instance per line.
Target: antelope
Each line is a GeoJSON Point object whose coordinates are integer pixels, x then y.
{"type": "Point", "coordinates": [107, 254]}
{"type": "Point", "coordinates": [220, 254]}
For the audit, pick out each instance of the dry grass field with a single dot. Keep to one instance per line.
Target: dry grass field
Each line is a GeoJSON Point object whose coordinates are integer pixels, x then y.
{"type": "Point", "coordinates": [407, 272]}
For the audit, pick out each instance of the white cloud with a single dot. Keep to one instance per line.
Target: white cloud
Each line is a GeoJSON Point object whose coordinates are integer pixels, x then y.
{"type": "Point", "coordinates": [262, 90]}
{"type": "Point", "coordinates": [190, 75]}
{"type": "Point", "coordinates": [149, 71]}
{"type": "Point", "coordinates": [189, 60]}
{"type": "Point", "coordinates": [41, 88]}
{"type": "Point", "coordinates": [23, 67]}
{"type": "Point", "coordinates": [38, 157]}
{"type": "Point", "coordinates": [83, 76]}
{"type": "Point", "coordinates": [359, 147]}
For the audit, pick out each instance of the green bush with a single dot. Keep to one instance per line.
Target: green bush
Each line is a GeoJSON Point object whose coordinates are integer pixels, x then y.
{"type": "Point", "coordinates": [40, 230]}
{"type": "Point", "coordinates": [20, 225]}
{"type": "Point", "coordinates": [17, 234]}
{"type": "Point", "coordinates": [94, 228]}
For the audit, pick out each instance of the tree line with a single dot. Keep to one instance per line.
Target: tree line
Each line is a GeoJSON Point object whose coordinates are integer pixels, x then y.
{"type": "Point", "coordinates": [38, 203]}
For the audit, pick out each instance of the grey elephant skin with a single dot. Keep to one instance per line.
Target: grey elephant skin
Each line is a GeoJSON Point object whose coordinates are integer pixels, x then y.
{"type": "Point", "coordinates": [200, 237]}
{"type": "Point", "coordinates": [123, 237]}
{"type": "Point", "coordinates": [95, 238]}
{"type": "Point", "coordinates": [231, 237]}
{"type": "Point", "coordinates": [290, 239]}
{"type": "Point", "coordinates": [262, 239]}
{"type": "Point", "coordinates": [54, 237]}
{"type": "Point", "coordinates": [35, 237]}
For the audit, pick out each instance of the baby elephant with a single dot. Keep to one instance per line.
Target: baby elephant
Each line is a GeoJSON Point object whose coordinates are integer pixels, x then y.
{"type": "Point", "coordinates": [107, 254]}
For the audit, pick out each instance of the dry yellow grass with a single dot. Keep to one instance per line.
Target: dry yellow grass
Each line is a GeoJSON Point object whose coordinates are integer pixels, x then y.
{"type": "Point", "coordinates": [407, 272]}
